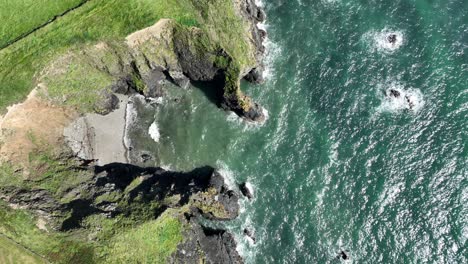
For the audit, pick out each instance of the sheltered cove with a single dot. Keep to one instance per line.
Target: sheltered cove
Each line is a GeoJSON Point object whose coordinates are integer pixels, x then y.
{"type": "Point", "coordinates": [74, 180]}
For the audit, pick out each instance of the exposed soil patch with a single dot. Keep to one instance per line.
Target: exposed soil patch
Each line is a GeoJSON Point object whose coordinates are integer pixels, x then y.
{"type": "Point", "coordinates": [32, 125]}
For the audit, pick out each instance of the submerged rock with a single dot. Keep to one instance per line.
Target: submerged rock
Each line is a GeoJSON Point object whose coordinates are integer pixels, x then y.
{"type": "Point", "coordinates": [343, 255]}
{"type": "Point", "coordinates": [410, 102]}
{"type": "Point", "coordinates": [249, 233]}
{"type": "Point", "coordinates": [246, 191]}
{"type": "Point", "coordinates": [392, 38]}
{"type": "Point", "coordinates": [394, 93]}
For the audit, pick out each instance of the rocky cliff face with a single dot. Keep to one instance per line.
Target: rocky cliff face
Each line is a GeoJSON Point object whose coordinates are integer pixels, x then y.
{"type": "Point", "coordinates": [123, 190]}
{"type": "Point", "coordinates": [66, 190]}
{"type": "Point", "coordinates": [165, 52]}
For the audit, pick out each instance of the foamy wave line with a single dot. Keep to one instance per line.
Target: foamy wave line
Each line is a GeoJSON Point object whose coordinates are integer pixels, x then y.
{"type": "Point", "coordinates": [131, 115]}
{"type": "Point", "coordinates": [246, 245]}
{"type": "Point", "coordinates": [272, 52]}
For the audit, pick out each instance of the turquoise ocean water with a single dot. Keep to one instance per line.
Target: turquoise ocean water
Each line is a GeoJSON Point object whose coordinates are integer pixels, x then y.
{"type": "Point", "coordinates": [339, 165]}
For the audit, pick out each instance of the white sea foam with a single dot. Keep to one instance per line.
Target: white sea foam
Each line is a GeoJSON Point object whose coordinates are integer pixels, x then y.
{"type": "Point", "coordinates": [250, 187]}
{"type": "Point", "coordinates": [272, 52]}
{"type": "Point", "coordinates": [234, 118]}
{"type": "Point", "coordinates": [156, 100]}
{"type": "Point", "coordinates": [408, 99]}
{"type": "Point", "coordinates": [328, 2]}
{"type": "Point", "coordinates": [153, 131]}
{"type": "Point", "coordinates": [245, 244]}
{"type": "Point", "coordinates": [227, 174]}
{"type": "Point", "coordinates": [379, 40]}
{"type": "Point", "coordinates": [167, 167]}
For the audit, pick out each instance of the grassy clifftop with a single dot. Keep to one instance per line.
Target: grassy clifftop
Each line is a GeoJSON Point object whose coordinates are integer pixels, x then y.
{"type": "Point", "coordinates": [68, 35]}
{"type": "Point", "coordinates": [98, 20]}
{"type": "Point", "coordinates": [21, 17]}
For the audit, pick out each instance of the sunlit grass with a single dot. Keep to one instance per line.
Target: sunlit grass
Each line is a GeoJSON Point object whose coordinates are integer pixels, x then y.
{"type": "Point", "coordinates": [11, 253]}
{"type": "Point", "coordinates": [112, 20]}
{"type": "Point", "coordinates": [20, 17]}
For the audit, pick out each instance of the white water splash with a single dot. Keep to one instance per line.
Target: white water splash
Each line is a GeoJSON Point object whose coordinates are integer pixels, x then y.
{"type": "Point", "coordinates": [245, 244]}
{"type": "Point", "coordinates": [272, 52]}
{"type": "Point", "coordinates": [227, 174]}
{"type": "Point", "coordinates": [330, 2]}
{"type": "Point", "coordinates": [153, 131]}
{"type": "Point", "coordinates": [167, 167]}
{"type": "Point", "coordinates": [396, 98]}
{"type": "Point", "coordinates": [380, 40]}
{"type": "Point", "coordinates": [250, 187]}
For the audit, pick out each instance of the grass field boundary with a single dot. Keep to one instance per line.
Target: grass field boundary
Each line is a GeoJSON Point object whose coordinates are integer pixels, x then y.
{"type": "Point", "coordinates": [53, 19]}
{"type": "Point", "coordinates": [23, 247]}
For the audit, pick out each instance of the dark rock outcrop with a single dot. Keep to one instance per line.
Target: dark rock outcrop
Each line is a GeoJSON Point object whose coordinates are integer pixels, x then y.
{"type": "Point", "coordinates": [108, 102]}
{"type": "Point", "coordinates": [203, 189]}
{"type": "Point", "coordinates": [245, 191]}
{"type": "Point", "coordinates": [249, 233]}
{"type": "Point", "coordinates": [254, 15]}
{"type": "Point", "coordinates": [207, 245]}
{"type": "Point", "coordinates": [394, 93]}
{"type": "Point", "coordinates": [254, 76]}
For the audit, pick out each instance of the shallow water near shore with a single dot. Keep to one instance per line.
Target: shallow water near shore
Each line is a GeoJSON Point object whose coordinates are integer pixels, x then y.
{"type": "Point", "coordinates": [340, 165]}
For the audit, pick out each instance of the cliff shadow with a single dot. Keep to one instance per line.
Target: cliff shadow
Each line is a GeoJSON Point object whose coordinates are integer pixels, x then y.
{"type": "Point", "coordinates": [213, 90]}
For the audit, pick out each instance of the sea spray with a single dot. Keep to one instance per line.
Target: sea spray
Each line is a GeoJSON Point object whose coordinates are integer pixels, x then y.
{"type": "Point", "coordinates": [153, 131]}
{"type": "Point", "coordinates": [272, 52]}
{"type": "Point", "coordinates": [396, 98]}
{"type": "Point", "coordinates": [385, 41]}
{"type": "Point", "coordinates": [246, 124]}
{"type": "Point", "coordinates": [228, 175]}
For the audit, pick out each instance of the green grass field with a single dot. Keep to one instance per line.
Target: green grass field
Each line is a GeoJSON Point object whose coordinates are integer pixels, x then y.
{"type": "Point", "coordinates": [11, 253]}
{"type": "Point", "coordinates": [55, 247]}
{"type": "Point", "coordinates": [22, 16]}
{"type": "Point", "coordinates": [105, 20]}
{"type": "Point", "coordinates": [20, 62]}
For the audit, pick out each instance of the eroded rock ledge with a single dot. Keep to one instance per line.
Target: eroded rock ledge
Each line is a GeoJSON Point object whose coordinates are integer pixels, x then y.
{"type": "Point", "coordinates": [64, 194]}
{"type": "Point", "coordinates": [123, 189]}
{"type": "Point", "coordinates": [164, 52]}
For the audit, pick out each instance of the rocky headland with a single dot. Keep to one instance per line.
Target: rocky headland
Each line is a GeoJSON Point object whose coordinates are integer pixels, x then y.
{"type": "Point", "coordinates": [70, 168]}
